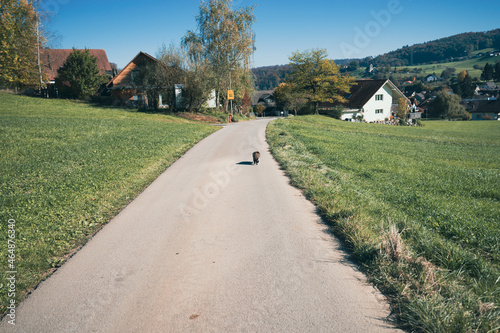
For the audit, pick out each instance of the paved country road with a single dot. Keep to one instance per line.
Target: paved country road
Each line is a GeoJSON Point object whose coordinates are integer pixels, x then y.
{"type": "Point", "coordinates": [215, 244]}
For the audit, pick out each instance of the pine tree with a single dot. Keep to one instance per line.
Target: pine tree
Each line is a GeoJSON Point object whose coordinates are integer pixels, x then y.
{"type": "Point", "coordinates": [496, 76]}
{"type": "Point", "coordinates": [79, 76]}
{"type": "Point", "coordinates": [488, 72]}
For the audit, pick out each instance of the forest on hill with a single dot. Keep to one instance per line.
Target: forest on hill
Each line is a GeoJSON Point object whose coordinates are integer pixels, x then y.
{"type": "Point", "coordinates": [454, 48]}
{"type": "Point", "coordinates": [457, 47]}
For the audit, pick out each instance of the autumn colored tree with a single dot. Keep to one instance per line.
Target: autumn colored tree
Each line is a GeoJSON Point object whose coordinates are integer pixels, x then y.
{"type": "Point", "coordinates": [288, 98]}
{"type": "Point", "coordinates": [317, 78]}
{"type": "Point", "coordinates": [224, 41]}
{"type": "Point", "coordinates": [19, 42]}
{"type": "Point", "coordinates": [464, 87]}
{"type": "Point", "coordinates": [403, 108]}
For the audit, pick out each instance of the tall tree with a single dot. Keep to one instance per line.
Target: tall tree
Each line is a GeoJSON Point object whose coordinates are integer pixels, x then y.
{"type": "Point", "coordinates": [464, 87]}
{"type": "Point", "coordinates": [496, 77]}
{"type": "Point", "coordinates": [317, 78]}
{"type": "Point", "coordinates": [19, 41]}
{"type": "Point", "coordinates": [224, 40]}
{"type": "Point", "coordinates": [79, 76]}
{"type": "Point", "coordinates": [488, 72]}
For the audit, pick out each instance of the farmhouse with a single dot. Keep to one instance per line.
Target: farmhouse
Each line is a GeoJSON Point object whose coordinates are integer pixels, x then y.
{"type": "Point", "coordinates": [124, 87]}
{"type": "Point", "coordinates": [371, 99]}
{"type": "Point", "coordinates": [53, 59]}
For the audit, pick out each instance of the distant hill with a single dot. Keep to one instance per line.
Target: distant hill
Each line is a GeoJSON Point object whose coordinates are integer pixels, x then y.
{"type": "Point", "coordinates": [460, 47]}
{"type": "Point", "coordinates": [269, 77]}
{"type": "Point", "coordinates": [444, 50]}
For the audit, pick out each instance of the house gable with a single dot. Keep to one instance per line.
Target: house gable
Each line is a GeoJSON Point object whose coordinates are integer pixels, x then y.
{"type": "Point", "coordinates": [373, 99]}
{"type": "Point", "coordinates": [124, 79]}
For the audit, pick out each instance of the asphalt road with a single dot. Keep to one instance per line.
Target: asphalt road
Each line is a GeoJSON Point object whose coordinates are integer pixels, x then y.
{"type": "Point", "coordinates": [215, 244]}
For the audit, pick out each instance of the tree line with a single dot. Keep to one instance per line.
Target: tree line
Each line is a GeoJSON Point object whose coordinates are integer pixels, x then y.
{"type": "Point", "coordinates": [214, 57]}
{"type": "Point", "coordinates": [441, 50]}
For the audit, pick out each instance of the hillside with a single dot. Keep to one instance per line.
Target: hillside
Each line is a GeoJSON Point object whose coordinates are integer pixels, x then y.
{"type": "Point", "coordinates": [461, 46]}
{"type": "Point", "coordinates": [462, 52]}
{"type": "Point", "coordinates": [269, 77]}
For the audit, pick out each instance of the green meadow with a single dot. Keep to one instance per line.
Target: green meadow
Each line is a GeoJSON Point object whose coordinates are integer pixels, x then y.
{"type": "Point", "coordinates": [418, 209]}
{"type": "Point", "coordinates": [66, 169]}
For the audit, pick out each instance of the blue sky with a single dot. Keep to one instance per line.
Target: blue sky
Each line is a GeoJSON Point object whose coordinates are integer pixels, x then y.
{"type": "Point", "coordinates": [346, 29]}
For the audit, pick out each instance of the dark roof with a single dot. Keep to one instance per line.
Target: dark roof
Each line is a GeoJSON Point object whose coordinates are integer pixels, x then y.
{"type": "Point", "coordinates": [53, 59]}
{"type": "Point", "coordinates": [259, 95]}
{"type": "Point", "coordinates": [362, 91]}
{"type": "Point", "coordinates": [488, 107]}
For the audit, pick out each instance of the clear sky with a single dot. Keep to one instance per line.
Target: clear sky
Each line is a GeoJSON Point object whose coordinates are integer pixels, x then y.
{"type": "Point", "coordinates": [346, 29]}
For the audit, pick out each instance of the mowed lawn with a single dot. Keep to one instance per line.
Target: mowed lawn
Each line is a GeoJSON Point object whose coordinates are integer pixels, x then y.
{"type": "Point", "coordinates": [419, 209]}
{"type": "Point", "coordinates": [67, 168]}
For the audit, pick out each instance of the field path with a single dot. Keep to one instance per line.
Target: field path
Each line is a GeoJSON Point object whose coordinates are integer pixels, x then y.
{"type": "Point", "coordinates": [215, 244]}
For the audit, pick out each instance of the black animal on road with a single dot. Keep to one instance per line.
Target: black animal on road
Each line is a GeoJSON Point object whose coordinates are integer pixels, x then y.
{"type": "Point", "coordinates": [256, 156]}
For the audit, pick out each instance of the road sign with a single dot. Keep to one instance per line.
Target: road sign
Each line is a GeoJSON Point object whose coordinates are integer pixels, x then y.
{"type": "Point", "coordinates": [230, 94]}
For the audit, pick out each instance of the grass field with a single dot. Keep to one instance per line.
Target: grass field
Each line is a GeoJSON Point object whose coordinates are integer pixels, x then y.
{"type": "Point", "coordinates": [465, 65]}
{"type": "Point", "coordinates": [419, 209]}
{"type": "Point", "coordinates": [66, 169]}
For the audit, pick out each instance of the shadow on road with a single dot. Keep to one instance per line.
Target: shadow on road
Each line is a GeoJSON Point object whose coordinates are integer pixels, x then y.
{"type": "Point", "coordinates": [245, 163]}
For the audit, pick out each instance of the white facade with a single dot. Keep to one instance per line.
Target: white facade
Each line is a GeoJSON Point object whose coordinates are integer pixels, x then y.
{"type": "Point", "coordinates": [378, 107]}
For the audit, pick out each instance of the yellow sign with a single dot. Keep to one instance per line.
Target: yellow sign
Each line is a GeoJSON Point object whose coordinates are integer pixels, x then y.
{"type": "Point", "coordinates": [230, 94]}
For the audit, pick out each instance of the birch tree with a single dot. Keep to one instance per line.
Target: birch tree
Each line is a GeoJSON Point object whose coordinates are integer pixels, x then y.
{"type": "Point", "coordinates": [224, 41]}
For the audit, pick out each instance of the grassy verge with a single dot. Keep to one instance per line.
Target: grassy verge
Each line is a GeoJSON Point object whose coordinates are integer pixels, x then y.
{"type": "Point", "coordinates": [417, 207]}
{"type": "Point", "coordinates": [67, 168]}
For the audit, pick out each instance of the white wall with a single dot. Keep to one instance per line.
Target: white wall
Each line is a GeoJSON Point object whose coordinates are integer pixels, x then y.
{"type": "Point", "coordinates": [385, 104]}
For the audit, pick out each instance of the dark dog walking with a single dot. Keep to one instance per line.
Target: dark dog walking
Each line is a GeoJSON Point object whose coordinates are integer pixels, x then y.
{"type": "Point", "coordinates": [256, 156]}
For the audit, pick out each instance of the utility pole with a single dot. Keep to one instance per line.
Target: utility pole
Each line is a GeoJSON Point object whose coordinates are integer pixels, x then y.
{"type": "Point", "coordinates": [38, 51]}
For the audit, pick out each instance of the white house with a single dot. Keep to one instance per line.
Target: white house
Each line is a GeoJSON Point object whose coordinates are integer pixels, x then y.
{"type": "Point", "coordinates": [372, 99]}
{"type": "Point", "coordinates": [431, 78]}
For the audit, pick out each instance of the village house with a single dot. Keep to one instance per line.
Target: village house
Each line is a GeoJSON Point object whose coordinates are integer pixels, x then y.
{"type": "Point", "coordinates": [53, 59]}
{"type": "Point", "coordinates": [431, 78]}
{"type": "Point", "coordinates": [371, 99]}
{"type": "Point", "coordinates": [485, 110]}
{"type": "Point", "coordinates": [266, 99]}
{"type": "Point", "coordinates": [124, 86]}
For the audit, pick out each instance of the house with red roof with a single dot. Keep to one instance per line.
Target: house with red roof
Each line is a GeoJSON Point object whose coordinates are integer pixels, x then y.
{"type": "Point", "coordinates": [53, 59]}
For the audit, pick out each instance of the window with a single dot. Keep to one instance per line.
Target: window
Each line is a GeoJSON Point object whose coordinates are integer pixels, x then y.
{"type": "Point", "coordinates": [379, 97]}
{"type": "Point", "coordinates": [379, 111]}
